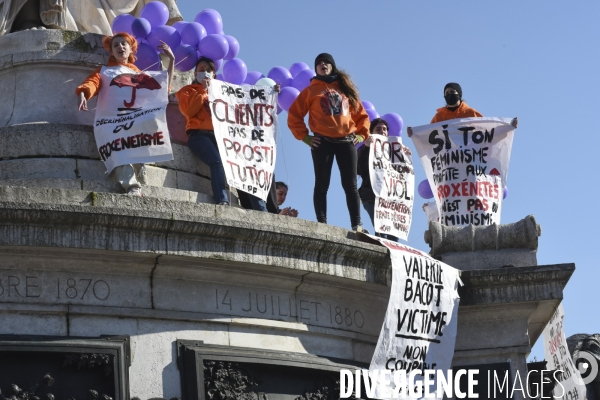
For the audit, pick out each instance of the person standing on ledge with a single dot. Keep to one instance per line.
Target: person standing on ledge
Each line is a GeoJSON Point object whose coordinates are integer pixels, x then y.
{"type": "Point", "coordinates": [122, 48]}
{"type": "Point", "coordinates": [455, 107]}
{"type": "Point", "coordinates": [339, 122]}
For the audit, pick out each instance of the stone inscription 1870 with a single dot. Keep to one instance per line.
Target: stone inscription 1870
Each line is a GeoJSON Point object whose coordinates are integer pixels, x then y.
{"type": "Point", "coordinates": [69, 288]}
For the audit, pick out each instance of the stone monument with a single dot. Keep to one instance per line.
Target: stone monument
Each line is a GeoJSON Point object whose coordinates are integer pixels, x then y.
{"type": "Point", "coordinates": [169, 295]}
{"type": "Point", "coordinates": [94, 16]}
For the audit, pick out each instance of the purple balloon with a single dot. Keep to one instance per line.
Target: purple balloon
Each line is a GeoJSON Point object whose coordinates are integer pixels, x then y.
{"type": "Point", "coordinates": [192, 34]}
{"type": "Point", "coordinates": [214, 47]}
{"type": "Point", "coordinates": [252, 77]}
{"type": "Point", "coordinates": [287, 97]}
{"type": "Point", "coordinates": [147, 58]}
{"type": "Point", "coordinates": [395, 124]}
{"type": "Point", "coordinates": [280, 75]}
{"type": "Point", "coordinates": [140, 28]}
{"type": "Point", "coordinates": [185, 58]}
{"type": "Point", "coordinates": [425, 190]}
{"type": "Point", "coordinates": [279, 109]}
{"type": "Point", "coordinates": [220, 77]}
{"type": "Point", "coordinates": [156, 13]}
{"type": "Point", "coordinates": [218, 64]}
{"type": "Point", "coordinates": [179, 25]}
{"type": "Point", "coordinates": [235, 71]}
{"type": "Point", "coordinates": [234, 47]}
{"type": "Point", "coordinates": [211, 20]}
{"type": "Point", "coordinates": [505, 194]}
{"type": "Point", "coordinates": [372, 114]}
{"type": "Point", "coordinates": [302, 79]}
{"type": "Point", "coordinates": [367, 105]}
{"type": "Point", "coordinates": [123, 23]}
{"type": "Point", "coordinates": [167, 34]}
{"type": "Point", "coordinates": [295, 68]}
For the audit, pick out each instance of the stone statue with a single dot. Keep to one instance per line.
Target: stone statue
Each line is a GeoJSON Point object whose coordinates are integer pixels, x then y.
{"type": "Point", "coordinates": [78, 15]}
{"type": "Point", "coordinates": [590, 344]}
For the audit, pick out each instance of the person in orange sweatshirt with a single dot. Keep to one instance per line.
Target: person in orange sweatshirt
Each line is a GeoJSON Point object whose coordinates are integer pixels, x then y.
{"type": "Point", "coordinates": [338, 122]}
{"type": "Point", "coordinates": [194, 105]}
{"type": "Point", "coordinates": [455, 107]}
{"type": "Point", "coordinates": [122, 48]}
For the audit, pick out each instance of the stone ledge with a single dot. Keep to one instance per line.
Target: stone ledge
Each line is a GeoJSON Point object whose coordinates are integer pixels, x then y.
{"type": "Point", "coordinates": [513, 285]}
{"type": "Point", "coordinates": [104, 221]}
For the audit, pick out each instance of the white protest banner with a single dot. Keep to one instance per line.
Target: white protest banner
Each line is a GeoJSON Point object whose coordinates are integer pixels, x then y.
{"type": "Point", "coordinates": [245, 123]}
{"type": "Point", "coordinates": [431, 211]}
{"type": "Point", "coordinates": [419, 329]}
{"type": "Point", "coordinates": [556, 352]}
{"type": "Point", "coordinates": [131, 123]}
{"type": "Point", "coordinates": [393, 182]}
{"type": "Point", "coordinates": [466, 162]}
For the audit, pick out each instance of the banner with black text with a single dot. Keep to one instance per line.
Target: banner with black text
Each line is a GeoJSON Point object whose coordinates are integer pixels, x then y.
{"type": "Point", "coordinates": [466, 162]}
{"type": "Point", "coordinates": [419, 329]}
{"type": "Point", "coordinates": [393, 182]}
{"type": "Point", "coordinates": [558, 357]}
{"type": "Point", "coordinates": [131, 124]}
{"type": "Point", "coordinates": [245, 123]}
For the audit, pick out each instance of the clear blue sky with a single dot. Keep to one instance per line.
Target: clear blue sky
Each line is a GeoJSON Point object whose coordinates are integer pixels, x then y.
{"type": "Point", "coordinates": [535, 60]}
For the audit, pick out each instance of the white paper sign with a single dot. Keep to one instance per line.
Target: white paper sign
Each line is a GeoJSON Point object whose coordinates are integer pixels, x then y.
{"type": "Point", "coordinates": [431, 211]}
{"type": "Point", "coordinates": [245, 123]}
{"type": "Point", "coordinates": [393, 182]}
{"type": "Point", "coordinates": [558, 357]}
{"type": "Point", "coordinates": [131, 124]}
{"type": "Point", "coordinates": [419, 330]}
{"type": "Point", "coordinates": [466, 162]}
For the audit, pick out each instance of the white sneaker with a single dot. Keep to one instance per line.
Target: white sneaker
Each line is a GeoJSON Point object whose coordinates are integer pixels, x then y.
{"type": "Point", "coordinates": [360, 229]}
{"type": "Point", "coordinates": [134, 191]}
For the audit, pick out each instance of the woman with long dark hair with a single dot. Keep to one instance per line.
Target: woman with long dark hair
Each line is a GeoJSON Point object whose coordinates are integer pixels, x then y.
{"type": "Point", "coordinates": [338, 122]}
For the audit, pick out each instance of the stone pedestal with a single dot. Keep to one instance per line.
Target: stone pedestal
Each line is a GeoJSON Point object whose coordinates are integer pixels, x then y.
{"type": "Point", "coordinates": [198, 287]}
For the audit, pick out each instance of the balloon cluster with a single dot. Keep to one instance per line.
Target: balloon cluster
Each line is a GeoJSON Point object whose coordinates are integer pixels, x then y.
{"type": "Point", "coordinates": [188, 40]}
{"type": "Point", "coordinates": [205, 37]}
{"type": "Point", "coordinates": [394, 121]}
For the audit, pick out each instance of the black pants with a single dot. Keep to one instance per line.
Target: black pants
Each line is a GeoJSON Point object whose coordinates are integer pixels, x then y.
{"type": "Point", "coordinates": [345, 155]}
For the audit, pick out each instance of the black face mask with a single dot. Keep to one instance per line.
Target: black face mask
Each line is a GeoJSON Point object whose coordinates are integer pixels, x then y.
{"type": "Point", "coordinates": [452, 98]}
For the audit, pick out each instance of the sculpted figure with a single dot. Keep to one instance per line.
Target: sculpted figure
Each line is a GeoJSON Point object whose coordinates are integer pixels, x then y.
{"type": "Point", "coordinates": [591, 345]}
{"type": "Point", "coordinates": [78, 15]}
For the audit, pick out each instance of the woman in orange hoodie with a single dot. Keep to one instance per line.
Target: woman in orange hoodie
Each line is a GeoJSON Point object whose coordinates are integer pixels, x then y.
{"type": "Point", "coordinates": [455, 107]}
{"type": "Point", "coordinates": [122, 48]}
{"type": "Point", "coordinates": [338, 121]}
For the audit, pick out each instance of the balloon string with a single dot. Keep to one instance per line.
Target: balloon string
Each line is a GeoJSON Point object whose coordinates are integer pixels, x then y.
{"type": "Point", "coordinates": [145, 69]}
{"type": "Point", "coordinates": [287, 176]}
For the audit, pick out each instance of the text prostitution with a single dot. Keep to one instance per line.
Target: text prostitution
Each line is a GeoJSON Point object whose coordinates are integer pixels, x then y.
{"type": "Point", "coordinates": [466, 161]}
{"type": "Point", "coordinates": [245, 123]}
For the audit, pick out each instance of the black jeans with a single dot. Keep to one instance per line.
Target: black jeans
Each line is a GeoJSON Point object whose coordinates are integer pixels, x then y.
{"type": "Point", "coordinates": [345, 155]}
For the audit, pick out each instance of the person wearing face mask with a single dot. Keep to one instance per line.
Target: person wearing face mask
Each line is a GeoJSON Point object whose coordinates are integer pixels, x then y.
{"type": "Point", "coordinates": [367, 197]}
{"type": "Point", "coordinates": [338, 122]}
{"type": "Point", "coordinates": [194, 105]}
{"type": "Point", "coordinates": [455, 107]}
{"type": "Point", "coordinates": [122, 48]}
